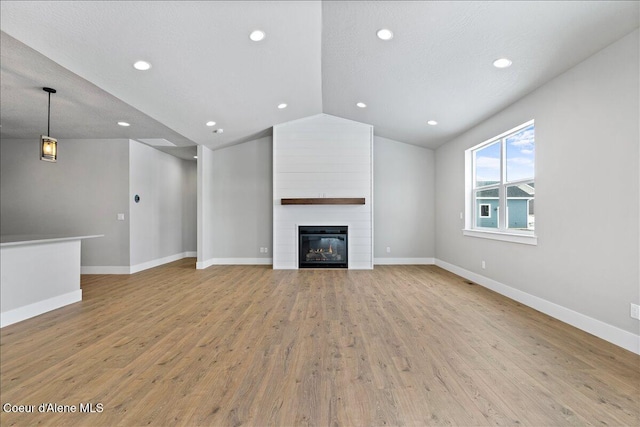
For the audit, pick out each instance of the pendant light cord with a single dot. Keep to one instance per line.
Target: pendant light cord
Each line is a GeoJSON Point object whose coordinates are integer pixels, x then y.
{"type": "Point", "coordinates": [49, 91]}
{"type": "Point", "coordinates": [49, 116]}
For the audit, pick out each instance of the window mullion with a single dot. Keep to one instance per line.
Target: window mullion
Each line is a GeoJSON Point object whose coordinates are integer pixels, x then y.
{"type": "Point", "coordinates": [520, 181]}
{"type": "Point", "coordinates": [502, 203]}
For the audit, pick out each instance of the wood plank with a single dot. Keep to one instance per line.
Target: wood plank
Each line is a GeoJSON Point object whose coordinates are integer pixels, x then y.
{"type": "Point", "coordinates": [248, 345]}
{"type": "Point", "coordinates": [324, 201]}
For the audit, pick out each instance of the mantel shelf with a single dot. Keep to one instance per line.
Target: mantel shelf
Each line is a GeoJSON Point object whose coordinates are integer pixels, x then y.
{"type": "Point", "coordinates": [324, 201]}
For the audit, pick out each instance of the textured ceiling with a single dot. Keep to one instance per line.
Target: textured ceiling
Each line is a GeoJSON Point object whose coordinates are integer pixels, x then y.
{"type": "Point", "coordinates": [318, 57]}
{"type": "Point", "coordinates": [79, 109]}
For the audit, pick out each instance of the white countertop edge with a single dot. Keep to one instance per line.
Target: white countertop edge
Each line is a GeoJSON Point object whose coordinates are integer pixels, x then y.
{"type": "Point", "coordinates": [16, 240]}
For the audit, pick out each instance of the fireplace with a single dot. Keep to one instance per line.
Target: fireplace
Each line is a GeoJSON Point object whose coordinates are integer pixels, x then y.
{"type": "Point", "coordinates": [323, 246]}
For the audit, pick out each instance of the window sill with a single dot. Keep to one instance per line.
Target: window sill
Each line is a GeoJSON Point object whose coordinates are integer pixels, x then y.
{"type": "Point", "coordinates": [524, 239]}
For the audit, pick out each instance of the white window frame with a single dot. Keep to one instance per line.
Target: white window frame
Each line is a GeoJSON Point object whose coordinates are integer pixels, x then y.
{"type": "Point", "coordinates": [502, 232]}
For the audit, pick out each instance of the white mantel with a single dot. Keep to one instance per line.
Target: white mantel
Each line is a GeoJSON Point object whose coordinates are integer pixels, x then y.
{"type": "Point", "coordinates": [322, 156]}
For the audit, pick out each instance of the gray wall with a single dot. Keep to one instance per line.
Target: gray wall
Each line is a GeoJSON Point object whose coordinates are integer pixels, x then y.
{"type": "Point", "coordinates": [189, 206]}
{"type": "Point", "coordinates": [157, 221]}
{"type": "Point", "coordinates": [206, 239]}
{"type": "Point", "coordinates": [404, 194]}
{"type": "Point", "coordinates": [587, 191]}
{"type": "Point", "coordinates": [235, 200]}
{"type": "Point", "coordinates": [80, 194]}
{"type": "Point", "coordinates": [237, 187]}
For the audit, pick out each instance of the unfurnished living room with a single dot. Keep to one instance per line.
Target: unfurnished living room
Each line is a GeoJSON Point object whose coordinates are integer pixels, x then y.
{"type": "Point", "coordinates": [345, 213]}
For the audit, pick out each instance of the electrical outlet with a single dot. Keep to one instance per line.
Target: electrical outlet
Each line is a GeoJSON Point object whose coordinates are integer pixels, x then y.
{"type": "Point", "coordinates": [261, 250]}
{"type": "Point", "coordinates": [120, 217]}
{"type": "Point", "coordinates": [266, 250]}
{"type": "Point", "coordinates": [635, 311]}
{"type": "Point", "coordinates": [461, 215]}
{"type": "Point", "coordinates": [484, 265]}
{"type": "Point", "coordinates": [388, 249]}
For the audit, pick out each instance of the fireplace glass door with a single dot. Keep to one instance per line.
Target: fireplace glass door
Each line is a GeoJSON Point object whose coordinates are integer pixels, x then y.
{"type": "Point", "coordinates": [323, 246]}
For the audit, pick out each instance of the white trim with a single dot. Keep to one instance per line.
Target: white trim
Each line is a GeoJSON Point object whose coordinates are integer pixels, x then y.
{"type": "Point", "coordinates": [471, 197]}
{"type": "Point", "coordinates": [23, 240]}
{"type": "Point", "coordinates": [28, 311]}
{"type": "Point", "coordinates": [354, 266]}
{"type": "Point", "coordinates": [233, 261]}
{"type": "Point", "coordinates": [99, 269]}
{"type": "Point", "coordinates": [404, 261]}
{"type": "Point", "coordinates": [502, 135]}
{"type": "Point", "coordinates": [525, 239]}
{"type": "Point", "coordinates": [303, 119]}
{"type": "Point", "coordinates": [157, 262]}
{"type": "Point", "coordinates": [285, 266]}
{"type": "Point", "coordinates": [607, 332]}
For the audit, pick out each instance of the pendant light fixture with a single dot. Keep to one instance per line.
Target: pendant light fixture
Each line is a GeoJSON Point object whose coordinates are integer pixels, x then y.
{"type": "Point", "coordinates": [48, 145]}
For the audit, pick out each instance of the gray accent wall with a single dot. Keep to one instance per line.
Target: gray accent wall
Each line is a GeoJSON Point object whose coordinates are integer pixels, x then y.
{"type": "Point", "coordinates": [404, 193]}
{"type": "Point", "coordinates": [81, 194]}
{"type": "Point", "coordinates": [587, 191]}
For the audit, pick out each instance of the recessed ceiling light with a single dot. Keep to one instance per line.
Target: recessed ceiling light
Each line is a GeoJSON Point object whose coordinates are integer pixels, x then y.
{"type": "Point", "coordinates": [281, 106]}
{"type": "Point", "coordinates": [195, 157]}
{"type": "Point", "coordinates": [384, 34]}
{"type": "Point", "coordinates": [257, 35]}
{"type": "Point", "coordinates": [502, 63]}
{"type": "Point", "coordinates": [361, 105]}
{"type": "Point", "coordinates": [124, 124]}
{"type": "Point", "coordinates": [142, 65]}
{"type": "Point", "coordinates": [210, 123]}
{"type": "Point", "coordinates": [432, 122]}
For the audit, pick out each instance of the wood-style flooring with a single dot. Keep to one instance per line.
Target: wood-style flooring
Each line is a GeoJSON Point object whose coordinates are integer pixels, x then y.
{"type": "Point", "coordinates": [247, 345]}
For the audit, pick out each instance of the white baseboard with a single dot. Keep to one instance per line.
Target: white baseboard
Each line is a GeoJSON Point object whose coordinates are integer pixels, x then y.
{"type": "Point", "coordinates": [28, 311]}
{"type": "Point", "coordinates": [610, 333]}
{"type": "Point", "coordinates": [404, 261]}
{"type": "Point", "coordinates": [104, 269]}
{"type": "Point", "coordinates": [98, 269]}
{"type": "Point", "coordinates": [156, 262]}
{"type": "Point", "coordinates": [233, 261]}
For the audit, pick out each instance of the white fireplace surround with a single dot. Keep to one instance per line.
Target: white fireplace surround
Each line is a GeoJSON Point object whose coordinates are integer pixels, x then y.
{"type": "Point", "coordinates": [322, 156]}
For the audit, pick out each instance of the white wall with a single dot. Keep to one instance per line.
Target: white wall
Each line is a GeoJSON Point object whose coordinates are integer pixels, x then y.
{"type": "Point", "coordinates": [322, 156]}
{"type": "Point", "coordinates": [157, 219]}
{"type": "Point", "coordinates": [404, 189]}
{"type": "Point", "coordinates": [236, 204]}
{"type": "Point", "coordinates": [585, 268]}
{"type": "Point", "coordinates": [81, 194]}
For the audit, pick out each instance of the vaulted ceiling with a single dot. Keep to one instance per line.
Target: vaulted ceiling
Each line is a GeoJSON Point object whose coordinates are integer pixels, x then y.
{"type": "Point", "coordinates": [317, 57]}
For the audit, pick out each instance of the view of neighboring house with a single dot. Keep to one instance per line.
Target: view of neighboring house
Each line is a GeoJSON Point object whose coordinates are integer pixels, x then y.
{"type": "Point", "coordinates": [520, 207]}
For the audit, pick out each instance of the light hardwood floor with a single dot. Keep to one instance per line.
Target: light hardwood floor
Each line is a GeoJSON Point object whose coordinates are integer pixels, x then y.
{"type": "Point", "coordinates": [246, 345]}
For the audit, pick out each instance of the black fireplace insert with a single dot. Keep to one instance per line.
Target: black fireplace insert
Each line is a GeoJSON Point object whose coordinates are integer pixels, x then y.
{"type": "Point", "coordinates": [323, 246]}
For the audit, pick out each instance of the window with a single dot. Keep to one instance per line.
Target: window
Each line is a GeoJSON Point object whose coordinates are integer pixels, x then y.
{"type": "Point", "coordinates": [501, 186]}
